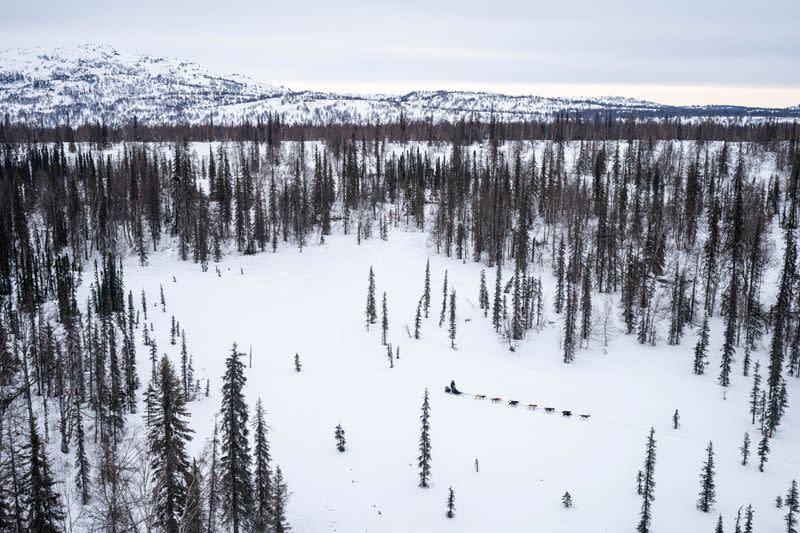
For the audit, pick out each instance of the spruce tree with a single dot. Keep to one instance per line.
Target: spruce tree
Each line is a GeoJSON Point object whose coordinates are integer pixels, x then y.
{"type": "Point", "coordinates": [169, 433]}
{"type": "Point", "coordinates": [452, 331]}
{"type": "Point", "coordinates": [707, 495]}
{"type": "Point", "coordinates": [384, 321]}
{"type": "Point", "coordinates": [186, 379]}
{"type": "Point", "coordinates": [236, 488]}
{"type": "Point", "coordinates": [444, 300]}
{"type": "Point", "coordinates": [424, 459]}
{"type": "Point", "coordinates": [566, 500]}
{"type": "Point", "coordinates": [163, 301]}
{"type": "Point", "coordinates": [82, 467]}
{"type": "Point", "coordinates": [426, 294]}
{"type": "Point", "coordinates": [745, 449]}
{"type": "Point", "coordinates": [586, 302]}
{"type": "Point", "coordinates": [262, 473]}
{"type": "Point", "coordinates": [648, 484]}
{"type": "Point", "coordinates": [339, 436]}
{"type": "Point", "coordinates": [297, 366]}
{"type": "Point", "coordinates": [213, 480]}
{"type": "Point", "coordinates": [748, 519]}
{"type": "Point", "coordinates": [451, 504]}
{"type": "Point", "coordinates": [701, 349]}
{"type": "Point", "coordinates": [792, 503]}
{"type": "Point", "coordinates": [192, 519]}
{"type": "Point", "coordinates": [676, 420]}
{"type": "Point", "coordinates": [371, 311]}
{"type": "Point", "coordinates": [45, 513]}
{"type": "Point", "coordinates": [483, 295]}
{"type": "Point", "coordinates": [279, 500]}
{"type": "Point", "coordinates": [719, 528]}
{"type": "Point", "coordinates": [763, 450]}
{"type": "Point", "coordinates": [569, 325]}
{"type": "Point", "coordinates": [560, 271]}
{"type": "Point", "coordinates": [497, 307]}
{"type": "Point", "coordinates": [418, 320]}
{"type": "Point", "coordinates": [754, 392]}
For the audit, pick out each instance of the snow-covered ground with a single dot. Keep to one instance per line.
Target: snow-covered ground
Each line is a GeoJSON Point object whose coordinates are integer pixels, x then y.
{"type": "Point", "coordinates": [312, 303]}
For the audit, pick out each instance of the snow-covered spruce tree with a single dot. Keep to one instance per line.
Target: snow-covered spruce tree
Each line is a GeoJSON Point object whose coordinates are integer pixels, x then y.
{"type": "Point", "coordinates": [444, 300]}
{"type": "Point", "coordinates": [483, 295]}
{"type": "Point", "coordinates": [213, 480]}
{"type": "Point", "coordinates": [167, 438]}
{"type": "Point", "coordinates": [389, 355]}
{"type": "Point", "coordinates": [424, 459]}
{"type": "Point", "coordinates": [586, 301]}
{"type": "Point", "coordinates": [339, 436]}
{"type": "Point", "coordinates": [559, 273]}
{"type": "Point", "coordinates": [497, 307]}
{"type": "Point", "coordinates": [186, 380]}
{"type": "Point", "coordinates": [781, 317]}
{"type": "Point", "coordinates": [426, 293]}
{"type": "Point", "coordinates": [754, 392]}
{"type": "Point", "coordinates": [82, 467]}
{"type": "Point", "coordinates": [732, 313]}
{"type": "Point", "coordinates": [728, 350]}
{"type": "Point", "coordinates": [162, 300]}
{"type": "Point", "coordinates": [297, 366]}
{"type": "Point", "coordinates": [262, 472]}
{"type": "Point", "coordinates": [131, 377]}
{"type": "Point", "coordinates": [452, 330]}
{"type": "Point", "coordinates": [566, 500]}
{"type": "Point", "coordinates": [745, 449]}
{"type": "Point", "coordinates": [748, 519]}
{"type": "Point", "coordinates": [371, 310]}
{"type": "Point", "coordinates": [172, 331]}
{"type": "Point", "coordinates": [517, 320]}
{"type": "Point", "coordinates": [279, 499]}
{"type": "Point", "coordinates": [792, 504]}
{"type": "Point", "coordinates": [719, 528]}
{"type": "Point", "coordinates": [701, 349]}
{"type": "Point", "coordinates": [418, 320]}
{"type": "Point", "coordinates": [116, 394]}
{"type": "Point", "coordinates": [144, 306]}
{"type": "Point", "coordinates": [708, 494]}
{"type": "Point", "coordinates": [193, 513]}
{"type": "Point", "coordinates": [451, 504]}
{"type": "Point", "coordinates": [384, 320]}
{"type": "Point", "coordinates": [45, 512]}
{"type": "Point", "coordinates": [676, 420]}
{"type": "Point", "coordinates": [569, 324]}
{"type": "Point", "coordinates": [236, 488]}
{"type": "Point", "coordinates": [648, 484]}
{"type": "Point", "coordinates": [763, 450]}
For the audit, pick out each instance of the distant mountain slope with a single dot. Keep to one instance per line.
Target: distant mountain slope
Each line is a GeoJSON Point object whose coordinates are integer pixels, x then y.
{"type": "Point", "coordinates": [96, 82]}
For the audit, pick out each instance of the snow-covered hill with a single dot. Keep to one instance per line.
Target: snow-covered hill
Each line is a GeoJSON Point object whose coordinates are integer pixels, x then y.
{"type": "Point", "coordinates": [93, 82]}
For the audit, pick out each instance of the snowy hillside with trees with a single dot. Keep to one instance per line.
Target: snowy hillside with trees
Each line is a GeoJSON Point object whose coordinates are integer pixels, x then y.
{"type": "Point", "coordinates": [367, 331]}
{"type": "Point", "coordinates": [97, 83]}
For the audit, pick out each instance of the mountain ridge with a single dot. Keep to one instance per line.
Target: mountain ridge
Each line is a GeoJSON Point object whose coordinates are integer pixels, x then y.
{"type": "Point", "coordinates": [96, 82]}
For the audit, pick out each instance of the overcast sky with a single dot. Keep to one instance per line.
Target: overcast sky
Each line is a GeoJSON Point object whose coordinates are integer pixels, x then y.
{"type": "Point", "coordinates": [676, 51]}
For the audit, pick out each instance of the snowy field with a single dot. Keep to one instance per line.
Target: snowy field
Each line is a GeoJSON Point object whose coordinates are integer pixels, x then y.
{"type": "Point", "coordinates": [312, 303]}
